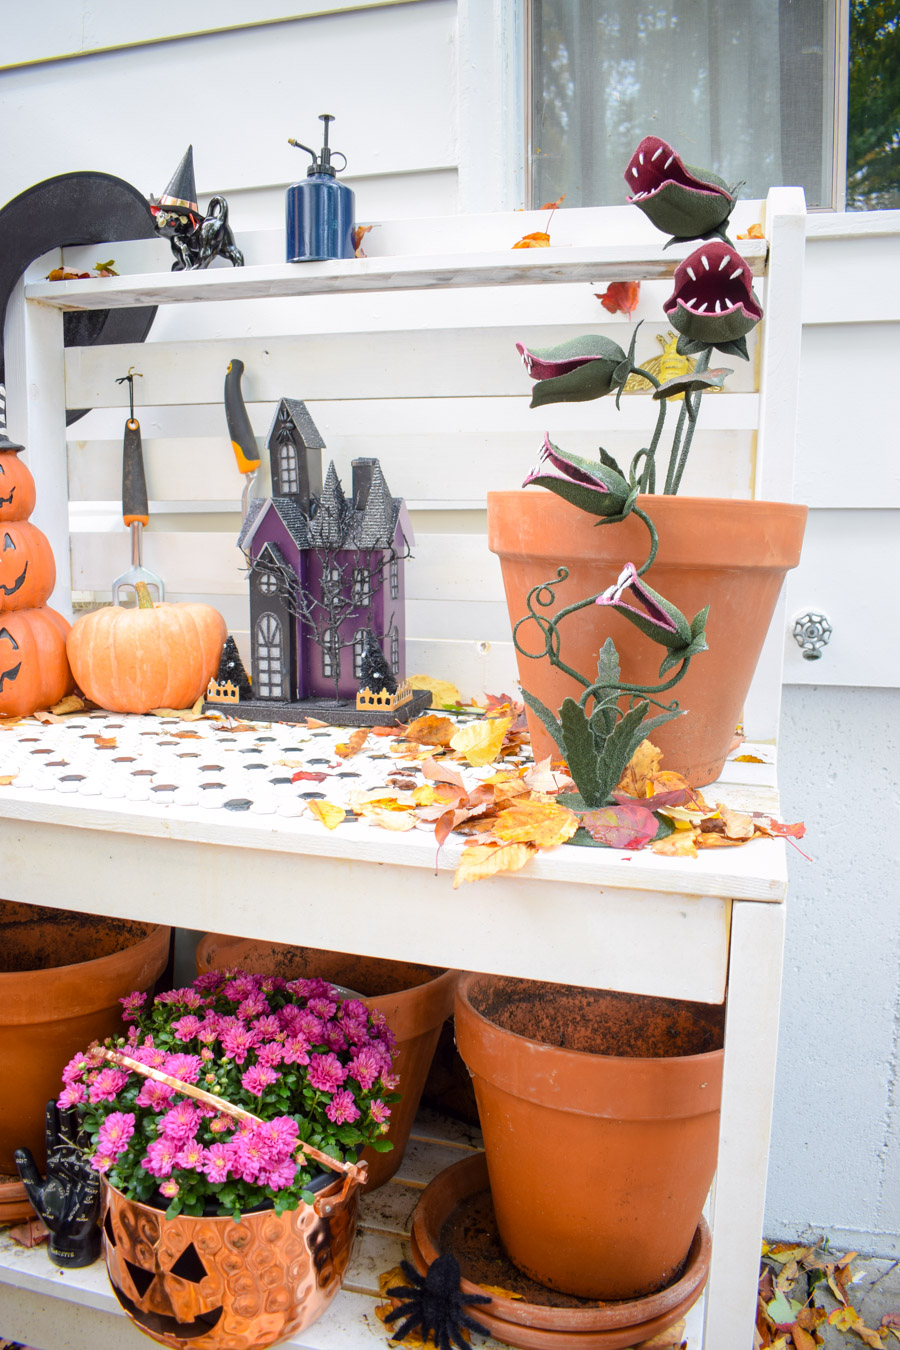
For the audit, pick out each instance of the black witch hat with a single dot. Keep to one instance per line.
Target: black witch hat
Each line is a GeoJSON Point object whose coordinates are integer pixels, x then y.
{"type": "Point", "coordinates": [181, 192]}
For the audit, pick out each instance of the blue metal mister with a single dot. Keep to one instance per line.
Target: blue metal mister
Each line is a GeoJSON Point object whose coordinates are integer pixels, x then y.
{"type": "Point", "coordinates": [320, 210]}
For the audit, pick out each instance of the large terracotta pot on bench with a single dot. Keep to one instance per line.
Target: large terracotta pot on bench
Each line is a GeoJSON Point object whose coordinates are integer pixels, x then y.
{"type": "Point", "coordinates": [62, 974]}
{"type": "Point", "coordinates": [414, 999]}
{"type": "Point", "coordinates": [730, 555]}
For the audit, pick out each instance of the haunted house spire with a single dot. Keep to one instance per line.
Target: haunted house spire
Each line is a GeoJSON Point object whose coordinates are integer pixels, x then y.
{"type": "Point", "coordinates": [327, 527]}
{"type": "Point", "coordinates": [379, 516]}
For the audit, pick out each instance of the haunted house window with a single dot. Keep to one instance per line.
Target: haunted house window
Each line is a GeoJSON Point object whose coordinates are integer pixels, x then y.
{"type": "Point", "coordinates": [288, 471]}
{"type": "Point", "coordinates": [362, 586]}
{"type": "Point", "coordinates": [331, 584]}
{"type": "Point", "coordinates": [395, 651]}
{"type": "Point", "coordinates": [331, 654]}
{"type": "Point", "coordinates": [269, 657]}
{"type": "Point", "coordinates": [395, 578]}
{"type": "Point", "coordinates": [267, 582]}
{"type": "Point", "coordinates": [359, 646]}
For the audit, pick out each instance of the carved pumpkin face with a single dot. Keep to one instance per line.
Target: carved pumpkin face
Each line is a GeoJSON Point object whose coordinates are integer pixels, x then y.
{"type": "Point", "coordinates": [34, 670]}
{"type": "Point", "coordinates": [16, 487]}
{"type": "Point", "coordinates": [221, 1285]}
{"type": "Point", "coordinates": [27, 569]}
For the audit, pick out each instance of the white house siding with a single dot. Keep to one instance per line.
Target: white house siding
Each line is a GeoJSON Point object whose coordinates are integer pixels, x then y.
{"type": "Point", "coordinates": [425, 93]}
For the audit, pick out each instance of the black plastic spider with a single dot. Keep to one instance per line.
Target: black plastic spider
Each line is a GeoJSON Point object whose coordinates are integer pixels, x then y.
{"type": "Point", "coordinates": [434, 1304]}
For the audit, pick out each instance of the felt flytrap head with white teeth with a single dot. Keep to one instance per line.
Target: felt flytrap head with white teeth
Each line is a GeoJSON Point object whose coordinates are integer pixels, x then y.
{"type": "Point", "coordinates": [713, 300]}
{"type": "Point", "coordinates": [680, 200]}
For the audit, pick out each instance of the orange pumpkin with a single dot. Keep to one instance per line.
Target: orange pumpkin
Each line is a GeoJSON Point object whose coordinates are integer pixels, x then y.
{"type": "Point", "coordinates": [155, 656]}
{"type": "Point", "coordinates": [16, 487]}
{"type": "Point", "coordinates": [27, 569]}
{"type": "Point", "coordinates": [34, 672]}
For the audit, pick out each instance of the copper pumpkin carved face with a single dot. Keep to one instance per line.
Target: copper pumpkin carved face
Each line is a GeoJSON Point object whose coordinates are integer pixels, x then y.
{"type": "Point", "coordinates": [220, 1285]}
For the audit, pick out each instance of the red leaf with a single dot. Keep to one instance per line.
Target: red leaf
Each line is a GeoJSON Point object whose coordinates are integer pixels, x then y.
{"type": "Point", "coordinates": [621, 826]}
{"type": "Point", "coordinates": [620, 297]}
{"type": "Point", "coordinates": [307, 776]}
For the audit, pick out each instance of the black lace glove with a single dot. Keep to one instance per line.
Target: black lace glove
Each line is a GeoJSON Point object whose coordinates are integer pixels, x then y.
{"type": "Point", "coordinates": [68, 1201]}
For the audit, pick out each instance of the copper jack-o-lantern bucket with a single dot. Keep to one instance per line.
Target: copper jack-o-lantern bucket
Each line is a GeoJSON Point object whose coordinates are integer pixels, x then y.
{"type": "Point", "coordinates": [221, 1285]}
{"type": "Point", "coordinates": [216, 1284]}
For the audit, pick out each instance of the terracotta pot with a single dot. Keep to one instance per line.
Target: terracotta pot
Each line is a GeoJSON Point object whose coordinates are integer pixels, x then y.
{"type": "Point", "coordinates": [457, 1202]}
{"type": "Point", "coordinates": [730, 555]}
{"type": "Point", "coordinates": [600, 1127]}
{"type": "Point", "coordinates": [414, 999]}
{"type": "Point", "coordinates": [61, 977]}
{"type": "Point", "coordinates": [215, 1284]}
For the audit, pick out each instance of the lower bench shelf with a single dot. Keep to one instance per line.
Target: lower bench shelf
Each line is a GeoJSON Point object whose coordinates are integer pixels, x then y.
{"type": "Point", "coordinates": [46, 1308]}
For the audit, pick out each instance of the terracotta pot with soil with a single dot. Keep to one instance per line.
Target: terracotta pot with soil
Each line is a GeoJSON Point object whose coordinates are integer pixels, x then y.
{"type": "Point", "coordinates": [730, 555]}
{"type": "Point", "coordinates": [600, 1114]}
{"type": "Point", "coordinates": [414, 999]}
{"type": "Point", "coordinates": [62, 974]}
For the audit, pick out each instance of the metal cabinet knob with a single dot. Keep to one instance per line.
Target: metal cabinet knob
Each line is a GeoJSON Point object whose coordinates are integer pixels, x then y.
{"type": "Point", "coordinates": [812, 632]}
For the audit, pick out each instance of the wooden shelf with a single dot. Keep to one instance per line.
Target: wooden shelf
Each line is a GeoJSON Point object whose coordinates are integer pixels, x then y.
{"type": "Point", "coordinates": [520, 267]}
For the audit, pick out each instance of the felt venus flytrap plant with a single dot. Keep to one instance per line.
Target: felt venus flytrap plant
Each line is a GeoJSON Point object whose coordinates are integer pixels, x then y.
{"type": "Point", "coordinates": [712, 306]}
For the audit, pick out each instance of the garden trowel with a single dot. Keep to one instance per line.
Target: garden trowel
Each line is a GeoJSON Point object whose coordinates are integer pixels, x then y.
{"type": "Point", "coordinates": [134, 506]}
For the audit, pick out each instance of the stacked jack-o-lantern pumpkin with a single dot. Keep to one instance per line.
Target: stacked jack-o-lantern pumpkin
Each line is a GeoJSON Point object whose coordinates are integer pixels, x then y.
{"type": "Point", "coordinates": [34, 671]}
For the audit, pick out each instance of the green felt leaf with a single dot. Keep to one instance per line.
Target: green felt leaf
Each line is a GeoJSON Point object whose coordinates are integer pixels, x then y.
{"type": "Point", "coordinates": [608, 664]}
{"type": "Point", "coordinates": [620, 745]}
{"type": "Point", "coordinates": [690, 383]}
{"type": "Point", "coordinates": [581, 752]}
{"type": "Point", "coordinates": [550, 721]}
{"type": "Point", "coordinates": [608, 462]}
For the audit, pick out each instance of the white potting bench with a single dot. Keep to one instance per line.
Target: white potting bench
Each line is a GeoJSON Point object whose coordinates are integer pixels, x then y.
{"type": "Point", "coordinates": [407, 355]}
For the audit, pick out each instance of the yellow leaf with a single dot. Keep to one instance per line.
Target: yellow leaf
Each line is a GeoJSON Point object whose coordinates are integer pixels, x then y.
{"type": "Point", "coordinates": [844, 1319]}
{"type": "Point", "coordinates": [802, 1339]}
{"type": "Point", "coordinates": [443, 693]}
{"type": "Point", "coordinates": [678, 845]}
{"type": "Point", "coordinates": [424, 795]}
{"type": "Point", "coordinates": [738, 825]}
{"type": "Point", "coordinates": [537, 239]}
{"type": "Point", "coordinates": [480, 742]}
{"type": "Point", "coordinates": [747, 759]}
{"type": "Point", "coordinates": [329, 814]}
{"type": "Point", "coordinates": [485, 860]}
{"type": "Point", "coordinates": [70, 704]}
{"type": "Point", "coordinates": [499, 1292]}
{"type": "Point", "coordinates": [644, 763]}
{"type": "Point", "coordinates": [363, 803]}
{"type": "Point", "coordinates": [685, 815]}
{"type": "Point", "coordinates": [7, 778]}
{"type": "Point", "coordinates": [186, 714]}
{"type": "Point", "coordinates": [391, 820]}
{"type": "Point", "coordinates": [545, 824]}
{"type": "Point", "coordinates": [347, 749]}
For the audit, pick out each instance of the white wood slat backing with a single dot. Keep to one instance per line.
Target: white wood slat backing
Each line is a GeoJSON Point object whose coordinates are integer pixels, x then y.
{"type": "Point", "coordinates": [429, 363]}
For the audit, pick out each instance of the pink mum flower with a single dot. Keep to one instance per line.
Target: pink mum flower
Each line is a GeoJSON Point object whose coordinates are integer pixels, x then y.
{"type": "Point", "coordinates": [75, 1068]}
{"type": "Point", "coordinates": [169, 1188]}
{"type": "Point", "coordinates": [258, 1078]}
{"type": "Point", "coordinates": [216, 1163]}
{"type": "Point", "coordinates": [220, 1124]}
{"type": "Point", "coordinates": [131, 1005]}
{"type": "Point", "coordinates": [322, 1007]}
{"type": "Point", "coordinates": [241, 987]}
{"type": "Point", "coordinates": [334, 1037]}
{"type": "Point", "coordinates": [342, 1109]}
{"type": "Point", "coordinates": [309, 1025]}
{"type": "Point", "coordinates": [161, 1157]}
{"type": "Point", "coordinates": [237, 1042]}
{"type": "Point", "coordinates": [180, 1123]}
{"type": "Point", "coordinates": [186, 1028]}
{"type": "Point", "coordinates": [102, 1162]}
{"type": "Point", "coordinates": [268, 1028]}
{"type": "Point", "coordinates": [253, 1006]}
{"type": "Point", "coordinates": [279, 1136]}
{"type": "Point", "coordinates": [107, 1085]}
{"type": "Point", "coordinates": [270, 1054]}
{"type": "Point", "coordinates": [155, 1095]}
{"type": "Point", "coordinates": [185, 998]}
{"type": "Point", "coordinates": [191, 1156]}
{"type": "Point", "coordinates": [379, 1111]}
{"type": "Point", "coordinates": [149, 1055]}
{"type": "Point", "coordinates": [185, 1067]}
{"type": "Point", "coordinates": [326, 1073]}
{"type": "Point", "coordinates": [72, 1095]}
{"type": "Point", "coordinates": [366, 1066]}
{"type": "Point", "coordinates": [280, 1175]}
{"type": "Point", "coordinates": [296, 1050]}
{"type": "Point", "coordinates": [115, 1132]}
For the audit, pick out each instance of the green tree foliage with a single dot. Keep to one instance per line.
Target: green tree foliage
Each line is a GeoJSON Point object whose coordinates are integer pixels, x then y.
{"type": "Point", "coordinates": [873, 120]}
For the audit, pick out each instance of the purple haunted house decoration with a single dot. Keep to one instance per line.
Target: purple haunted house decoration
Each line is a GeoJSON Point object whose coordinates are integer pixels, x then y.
{"type": "Point", "coordinates": [324, 568]}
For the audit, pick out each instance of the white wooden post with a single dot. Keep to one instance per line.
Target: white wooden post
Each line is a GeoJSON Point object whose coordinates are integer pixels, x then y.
{"type": "Point", "coordinates": [36, 407]}
{"type": "Point", "coordinates": [748, 1088]}
{"type": "Point", "coordinates": [779, 380]}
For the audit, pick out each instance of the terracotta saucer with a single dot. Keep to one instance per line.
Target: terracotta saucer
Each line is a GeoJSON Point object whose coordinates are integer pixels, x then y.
{"type": "Point", "coordinates": [542, 1319]}
{"type": "Point", "coordinates": [14, 1203]}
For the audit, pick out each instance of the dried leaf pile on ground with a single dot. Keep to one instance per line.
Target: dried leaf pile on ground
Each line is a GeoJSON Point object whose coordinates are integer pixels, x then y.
{"type": "Point", "coordinates": [805, 1298]}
